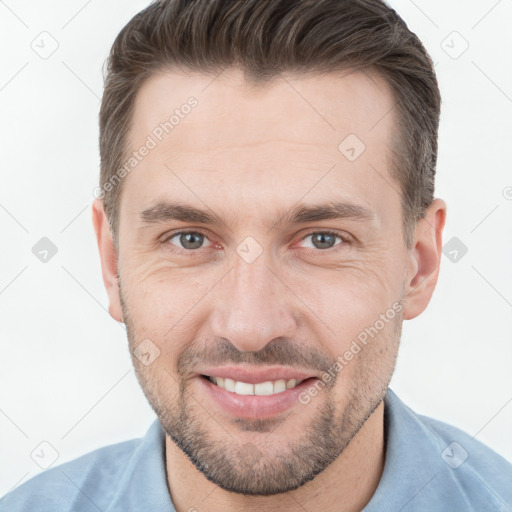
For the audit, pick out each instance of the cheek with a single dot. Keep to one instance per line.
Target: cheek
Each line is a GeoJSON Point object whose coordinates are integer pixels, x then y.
{"type": "Point", "coordinates": [366, 365]}
{"type": "Point", "coordinates": [348, 299]}
{"type": "Point", "coordinates": [155, 365]}
{"type": "Point", "coordinates": [159, 318]}
{"type": "Point", "coordinates": [162, 294]}
{"type": "Point", "coordinates": [359, 312]}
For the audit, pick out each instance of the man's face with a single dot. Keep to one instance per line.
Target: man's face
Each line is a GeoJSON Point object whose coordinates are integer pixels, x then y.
{"type": "Point", "coordinates": [257, 290]}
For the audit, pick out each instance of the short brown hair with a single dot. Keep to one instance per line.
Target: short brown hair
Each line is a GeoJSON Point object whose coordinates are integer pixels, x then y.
{"type": "Point", "coordinates": [265, 38]}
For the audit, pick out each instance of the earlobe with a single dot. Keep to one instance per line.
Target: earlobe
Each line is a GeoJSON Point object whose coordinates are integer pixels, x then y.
{"type": "Point", "coordinates": [108, 258]}
{"type": "Point", "coordinates": [424, 260]}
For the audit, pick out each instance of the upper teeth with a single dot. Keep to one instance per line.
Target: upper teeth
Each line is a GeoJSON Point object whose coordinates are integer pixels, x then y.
{"type": "Point", "coordinates": [263, 388]}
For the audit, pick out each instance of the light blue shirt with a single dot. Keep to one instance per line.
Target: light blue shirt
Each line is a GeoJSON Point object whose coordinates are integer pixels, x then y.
{"type": "Point", "coordinates": [430, 466]}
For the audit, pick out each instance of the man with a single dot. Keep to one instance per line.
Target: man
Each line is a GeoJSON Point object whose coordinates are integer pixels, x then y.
{"type": "Point", "coordinates": [266, 223]}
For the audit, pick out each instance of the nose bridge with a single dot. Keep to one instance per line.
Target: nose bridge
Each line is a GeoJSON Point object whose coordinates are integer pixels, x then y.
{"type": "Point", "coordinates": [252, 306]}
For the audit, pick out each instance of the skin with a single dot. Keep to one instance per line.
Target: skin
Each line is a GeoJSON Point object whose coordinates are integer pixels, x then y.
{"type": "Point", "coordinates": [248, 154]}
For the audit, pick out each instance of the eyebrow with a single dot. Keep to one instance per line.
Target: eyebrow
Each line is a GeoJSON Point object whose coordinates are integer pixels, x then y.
{"type": "Point", "coordinates": [164, 211]}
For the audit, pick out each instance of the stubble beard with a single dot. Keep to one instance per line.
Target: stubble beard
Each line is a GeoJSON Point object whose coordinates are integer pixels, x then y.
{"type": "Point", "coordinates": [255, 467]}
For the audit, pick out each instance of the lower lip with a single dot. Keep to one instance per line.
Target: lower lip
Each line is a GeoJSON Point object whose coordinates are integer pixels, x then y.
{"type": "Point", "coordinates": [254, 406]}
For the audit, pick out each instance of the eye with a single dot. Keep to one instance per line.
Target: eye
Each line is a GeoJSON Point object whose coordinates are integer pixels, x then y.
{"type": "Point", "coordinates": [193, 240]}
{"type": "Point", "coordinates": [188, 240]}
{"type": "Point", "coordinates": [324, 240]}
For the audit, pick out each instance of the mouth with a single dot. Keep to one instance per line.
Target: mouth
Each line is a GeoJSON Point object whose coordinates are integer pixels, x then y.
{"type": "Point", "coordinates": [254, 400]}
{"type": "Point", "coordinates": [269, 387]}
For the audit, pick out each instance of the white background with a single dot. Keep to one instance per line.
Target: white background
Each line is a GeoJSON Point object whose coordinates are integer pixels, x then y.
{"type": "Point", "coordinates": [65, 373]}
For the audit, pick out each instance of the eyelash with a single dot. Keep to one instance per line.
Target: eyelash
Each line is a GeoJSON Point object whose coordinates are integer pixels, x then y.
{"type": "Point", "coordinates": [344, 240]}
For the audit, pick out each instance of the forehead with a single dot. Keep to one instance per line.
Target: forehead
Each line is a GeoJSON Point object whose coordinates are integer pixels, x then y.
{"type": "Point", "coordinates": [217, 137]}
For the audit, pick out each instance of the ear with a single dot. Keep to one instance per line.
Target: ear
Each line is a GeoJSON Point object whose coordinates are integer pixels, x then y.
{"type": "Point", "coordinates": [108, 257]}
{"type": "Point", "coordinates": [424, 259]}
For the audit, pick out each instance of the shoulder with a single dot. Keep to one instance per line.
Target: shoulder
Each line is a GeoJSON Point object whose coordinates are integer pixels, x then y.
{"type": "Point", "coordinates": [475, 466]}
{"type": "Point", "coordinates": [463, 469]}
{"type": "Point", "coordinates": [85, 483]}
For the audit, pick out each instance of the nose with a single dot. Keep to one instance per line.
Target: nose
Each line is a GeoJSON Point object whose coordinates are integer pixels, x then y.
{"type": "Point", "coordinates": [252, 305]}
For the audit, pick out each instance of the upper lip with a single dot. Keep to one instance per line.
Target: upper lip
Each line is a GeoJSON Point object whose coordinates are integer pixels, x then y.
{"type": "Point", "coordinates": [255, 376]}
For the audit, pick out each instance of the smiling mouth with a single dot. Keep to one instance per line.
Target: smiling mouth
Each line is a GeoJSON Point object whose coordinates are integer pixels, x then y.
{"type": "Point", "coordinates": [271, 387]}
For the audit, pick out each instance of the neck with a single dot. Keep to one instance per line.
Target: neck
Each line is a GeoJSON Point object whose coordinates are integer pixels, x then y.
{"type": "Point", "coordinates": [346, 485]}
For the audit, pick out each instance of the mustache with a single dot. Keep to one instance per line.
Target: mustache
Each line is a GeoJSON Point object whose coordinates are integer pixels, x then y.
{"type": "Point", "coordinates": [280, 351]}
